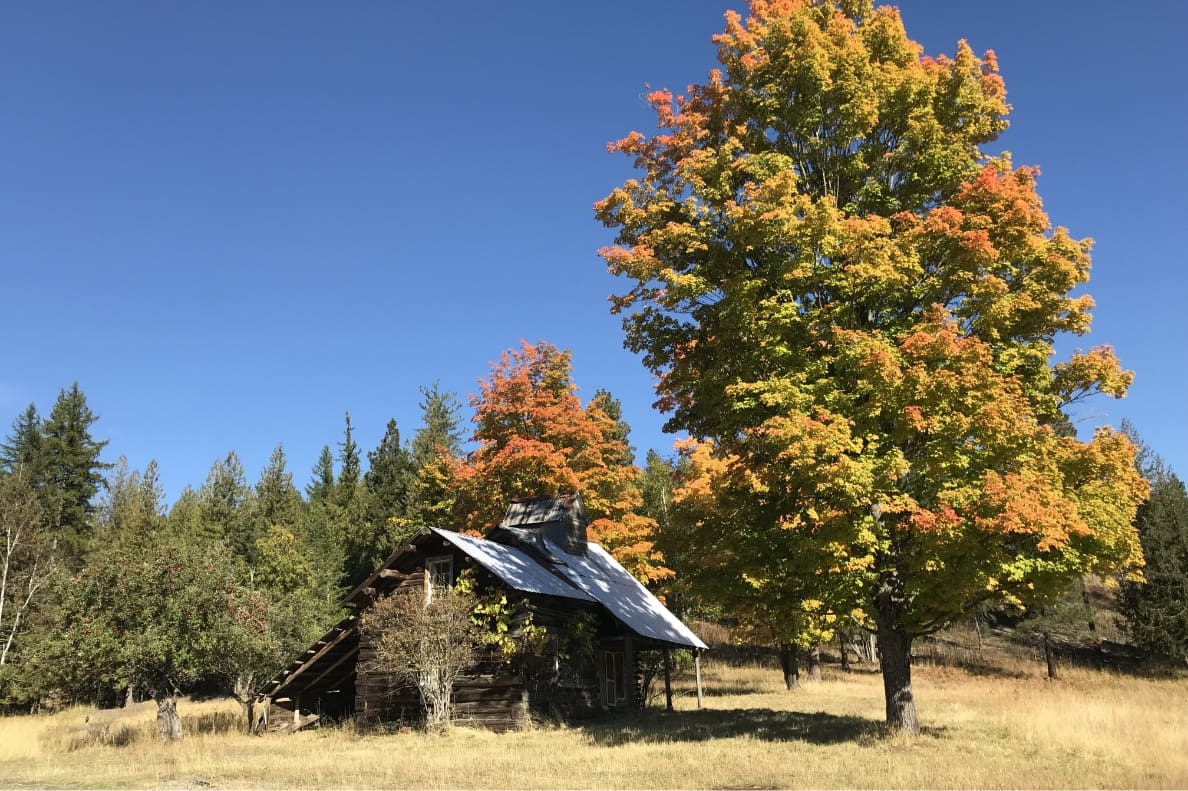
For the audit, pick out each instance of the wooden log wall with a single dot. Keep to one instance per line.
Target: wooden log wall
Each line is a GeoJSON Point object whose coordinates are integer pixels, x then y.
{"type": "Point", "coordinates": [493, 700]}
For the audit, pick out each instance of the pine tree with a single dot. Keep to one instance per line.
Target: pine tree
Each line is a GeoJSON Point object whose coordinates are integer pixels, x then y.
{"type": "Point", "coordinates": [320, 533]}
{"type": "Point", "coordinates": [613, 409]}
{"type": "Point", "coordinates": [321, 487]}
{"type": "Point", "coordinates": [73, 472]}
{"type": "Point", "coordinates": [390, 478]}
{"type": "Point", "coordinates": [441, 428]}
{"type": "Point", "coordinates": [348, 473]}
{"type": "Point", "coordinates": [435, 451]}
{"type": "Point", "coordinates": [225, 503]}
{"type": "Point", "coordinates": [1157, 610]}
{"type": "Point", "coordinates": [131, 510]}
{"type": "Point", "coordinates": [278, 503]}
{"type": "Point", "coordinates": [24, 447]}
{"type": "Point", "coordinates": [185, 517]}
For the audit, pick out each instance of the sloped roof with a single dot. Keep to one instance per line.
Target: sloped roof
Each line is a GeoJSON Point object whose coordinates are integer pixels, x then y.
{"type": "Point", "coordinates": [514, 567]}
{"type": "Point", "coordinates": [606, 581]}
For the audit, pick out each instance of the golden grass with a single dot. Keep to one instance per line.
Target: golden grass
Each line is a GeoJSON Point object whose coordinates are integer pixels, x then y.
{"type": "Point", "coordinates": [1013, 729]}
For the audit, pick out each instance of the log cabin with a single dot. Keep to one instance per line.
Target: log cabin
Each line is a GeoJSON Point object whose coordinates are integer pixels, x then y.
{"type": "Point", "coordinates": [606, 637]}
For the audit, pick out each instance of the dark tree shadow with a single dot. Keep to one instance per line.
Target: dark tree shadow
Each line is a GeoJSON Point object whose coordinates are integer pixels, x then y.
{"type": "Point", "coordinates": [699, 726]}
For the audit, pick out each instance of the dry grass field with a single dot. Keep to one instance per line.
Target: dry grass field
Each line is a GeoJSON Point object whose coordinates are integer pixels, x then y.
{"type": "Point", "coordinates": [1006, 728]}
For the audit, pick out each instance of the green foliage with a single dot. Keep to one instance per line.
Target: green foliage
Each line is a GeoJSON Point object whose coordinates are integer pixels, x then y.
{"type": "Point", "coordinates": [161, 615]}
{"type": "Point", "coordinates": [277, 502]}
{"type": "Point", "coordinates": [72, 471]}
{"type": "Point", "coordinates": [1156, 609]}
{"type": "Point", "coordinates": [132, 509]}
{"type": "Point", "coordinates": [225, 503]}
{"type": "Point", "coordinates": [348, 472]}
{"type": "Point", "coordinates": [321, 486]}
{"type": "Point", "coordinates": [1067, 616]}
{"type": "Point", "coordinates": [185, 517]}
{"type": "Point", "coordinates": [24, 447]}
{"type": "Point", "coordinates": [27, 564]}
{"type": "Point", "coordinates": [857, 306]}
{"type": "Point", "coordinates": [390, 478]}
{"type": "Point", "coordinates": [426, 643]}
{"type": "Point", "coordinates": [321, 537]}
{"type": "Point", "coordinates": [441, 428]}
{"type": "Point", "coordinates": [575, 640]}
{"type": "Point", "coordinates": [496, 618]}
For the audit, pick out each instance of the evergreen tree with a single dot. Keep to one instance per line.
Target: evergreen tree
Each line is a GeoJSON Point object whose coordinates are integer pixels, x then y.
{"type": "Point", "coordinates": [321, 535]}
{"type": "Point", "coordinates": [278, 503]}
{"type": "Point", "coordinates": [621, 432]}
{"type": "Point", "coordinates": [185, 518]}
{"type": "Point", "coordinates": [390, 477]}
{"type": "Point", "coordinates": [321, 487]}
{"type": "Point", "coordinates": [132, 507]}
{"type": "Point", "coordinates": [435, 451]}
{"type": "Point", "coordinates": [348, 473]}
{"type": "Point", "coordinates": [225, 503]}
{"type": "Point", "coordinates": [73, 471]}
{"type": "Point", "coordinates": [1157, 610]}
{"type": "Point", "coordinates": [441, 428]}
{"type": "Point", "coordinates": [24, 447]}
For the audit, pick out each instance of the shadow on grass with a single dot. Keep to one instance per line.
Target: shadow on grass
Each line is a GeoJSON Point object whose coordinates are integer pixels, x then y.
{"type": "Point", "coordinates": [707, 724]}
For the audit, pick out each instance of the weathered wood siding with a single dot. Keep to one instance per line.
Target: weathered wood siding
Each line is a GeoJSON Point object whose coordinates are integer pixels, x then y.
{"type": "Point", "coordinates": [492, 700]}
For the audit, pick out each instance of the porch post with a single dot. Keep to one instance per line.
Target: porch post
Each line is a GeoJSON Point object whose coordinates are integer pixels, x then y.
{"type": "Point", "coordinates": [629, 670]}
{"type": "Point", "coordinates": [697, 669]}
{"type": "Point", "coordinates": [667, 681]}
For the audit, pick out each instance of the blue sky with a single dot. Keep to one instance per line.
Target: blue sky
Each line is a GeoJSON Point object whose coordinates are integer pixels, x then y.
{"type": "Point", "coordinates": [231, 222]}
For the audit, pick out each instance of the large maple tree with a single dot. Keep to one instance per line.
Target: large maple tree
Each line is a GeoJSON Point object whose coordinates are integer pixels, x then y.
{"type": "Point", "coordinates": [535, 437]}
{"type": "Point", "coordinates": [857, 303]}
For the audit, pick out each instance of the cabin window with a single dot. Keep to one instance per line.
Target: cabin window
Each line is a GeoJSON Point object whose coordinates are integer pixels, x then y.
{"type": "Point", "coordinates": [439, 575]}
{"type": "Point", "coordinates": [614, 684]}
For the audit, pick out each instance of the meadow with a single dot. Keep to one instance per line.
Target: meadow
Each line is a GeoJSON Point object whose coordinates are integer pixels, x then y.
{"type": "Point", "coordinates": [1005, 726]}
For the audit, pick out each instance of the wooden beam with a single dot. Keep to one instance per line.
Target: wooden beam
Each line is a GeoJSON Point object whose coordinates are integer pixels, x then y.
{"type": "Point", "coordinates": [629, 670]}
{"type": "Point", "coordinates": [697, 670]}
{"type": "Point", "coordinates": [392, 574]}
{"type": "Point", "coordinates": [332, 667]}
{"type": "Point", "coordinates": [667, 680]}
{"type": "Point", "coordinates": [309, 662]}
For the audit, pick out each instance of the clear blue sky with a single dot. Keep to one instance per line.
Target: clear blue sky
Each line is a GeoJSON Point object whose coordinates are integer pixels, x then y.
{"type": "Point", "coordinates": [233, 221]}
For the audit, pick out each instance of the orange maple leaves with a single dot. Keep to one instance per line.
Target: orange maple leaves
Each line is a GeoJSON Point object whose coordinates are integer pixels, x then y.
{"type": "Point", "coordinates": [535, 437]}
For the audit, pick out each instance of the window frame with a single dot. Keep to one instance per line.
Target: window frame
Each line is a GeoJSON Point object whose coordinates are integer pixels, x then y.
{"type": "Point", "coordinates": [433, 567]}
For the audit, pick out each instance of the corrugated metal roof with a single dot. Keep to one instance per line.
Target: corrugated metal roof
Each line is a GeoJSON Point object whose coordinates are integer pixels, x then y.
{"type": "Point", "coordinates": [513, 566]}
{"type": "Point", "coordinates": [612, 586]}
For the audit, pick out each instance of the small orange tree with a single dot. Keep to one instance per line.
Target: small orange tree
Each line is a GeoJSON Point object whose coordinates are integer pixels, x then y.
{"type": "Point", "coordinates": [535, 437]}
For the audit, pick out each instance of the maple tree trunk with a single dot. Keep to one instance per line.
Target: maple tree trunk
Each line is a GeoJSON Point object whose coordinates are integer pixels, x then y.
{"type": "Point", "coordinates": [895, 661]}
{"type": "Point", "coordinates": [815, 662]}
{"type": "Point", "coordinates": [845, 651]}
{"type": "Point", "coordinates": [1049, 657]}
{"type": "Point", "coordinates": [790, 664]}
{"type": "Point", "coordinates": [168, 723]}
